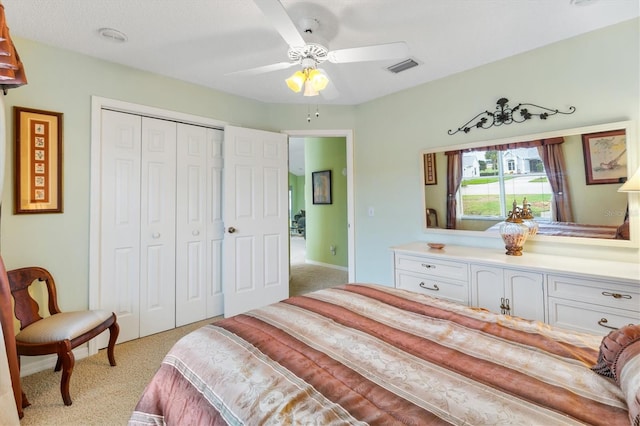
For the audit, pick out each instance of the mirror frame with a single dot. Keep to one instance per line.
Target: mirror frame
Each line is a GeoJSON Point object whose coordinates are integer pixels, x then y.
{"type": "Point", "coordinates": [633, 198]}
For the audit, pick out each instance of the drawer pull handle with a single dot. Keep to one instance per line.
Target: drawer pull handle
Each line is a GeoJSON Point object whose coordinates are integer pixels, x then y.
{"type": "Point", "coordinates": [616, 295]}
{"type": "Point", "coordinates": [435, 287]}
{"type": "Point", "coordinates": [604, 321]}
{"type": "Point", "coordinates": [426, 265]}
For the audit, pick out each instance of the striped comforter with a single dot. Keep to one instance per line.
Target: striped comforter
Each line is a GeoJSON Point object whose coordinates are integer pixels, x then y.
{"type": "Point", "coordinates": [366, 354]}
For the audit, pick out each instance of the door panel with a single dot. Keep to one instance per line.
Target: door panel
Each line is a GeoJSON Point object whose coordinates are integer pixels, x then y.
{"type": "Point", "coordinates": [199, 224]}
{"type": "Point", "coordinates": [157, 226]}
{"type": "Point", "coordinates": [256, 196]}
{"type": "Point", "coordinates": [525, 291]}
{"type": "Point", "coordinates": [215, 225]}
{"type": "Point", "coordinates": [120, 221]}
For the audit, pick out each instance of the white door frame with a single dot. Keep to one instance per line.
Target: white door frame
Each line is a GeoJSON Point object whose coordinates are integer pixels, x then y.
{"type": "Point", "coordinates": [97, 104]}
{"type": "Point", "coordinates": [348, 135]}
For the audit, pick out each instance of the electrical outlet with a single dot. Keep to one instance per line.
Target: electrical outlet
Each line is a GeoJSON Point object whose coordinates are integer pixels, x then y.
{"type": "Point", "coordinates": [371, 211]}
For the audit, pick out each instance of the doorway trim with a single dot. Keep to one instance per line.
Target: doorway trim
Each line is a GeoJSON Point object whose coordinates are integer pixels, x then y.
{"type": "Point", "coordinates": [348, 135]}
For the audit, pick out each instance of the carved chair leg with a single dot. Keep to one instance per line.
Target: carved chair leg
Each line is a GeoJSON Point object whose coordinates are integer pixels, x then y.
{"type": "Point", "coordinates": [114, 330]}
{"type": "Point", "coordinates": [58, 364]}
{"type": "Point", "coordinates": [68, 361]}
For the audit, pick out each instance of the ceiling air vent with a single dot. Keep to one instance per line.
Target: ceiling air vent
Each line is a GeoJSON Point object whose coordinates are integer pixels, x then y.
{"type": "Point", "coordinates": [402, 66]}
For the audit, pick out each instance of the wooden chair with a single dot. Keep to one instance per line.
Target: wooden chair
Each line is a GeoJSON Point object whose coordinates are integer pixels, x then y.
{"type": "Point", "coordinates": [60, 332]}
{"type": "Point", "coordinates": [432, 218]}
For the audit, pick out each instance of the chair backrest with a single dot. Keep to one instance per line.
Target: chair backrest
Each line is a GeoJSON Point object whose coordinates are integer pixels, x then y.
{"type": "Point", "coordinates": [26, 308]}
{"type": "Point", "coordinates": [432, 218]}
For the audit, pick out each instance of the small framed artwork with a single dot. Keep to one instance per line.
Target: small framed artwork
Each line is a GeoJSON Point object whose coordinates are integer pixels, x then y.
{"type": "Point", "coordinates": [38, 161]}
{"type": "Point", "coordinates": [430, 177]}
{"type": "Point", "coordinates": [321, 187]}
{"type": "Point", "coordinates": [605, 156]}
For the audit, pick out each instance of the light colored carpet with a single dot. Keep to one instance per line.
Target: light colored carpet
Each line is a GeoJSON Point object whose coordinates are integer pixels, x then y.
{"type": "Point", "coordinates": [305, 277]}
{"type": "Point", "coordinates": [105, 395]}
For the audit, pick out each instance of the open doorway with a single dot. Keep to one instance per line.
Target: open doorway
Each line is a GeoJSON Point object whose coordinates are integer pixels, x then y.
{"type": "Point", "coordinates": [312, 265]}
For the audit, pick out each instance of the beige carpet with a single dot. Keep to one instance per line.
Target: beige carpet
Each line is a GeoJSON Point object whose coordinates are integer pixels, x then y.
{"type": "Point", "coordinates": [306, 277]}
{"type": "Point", "coordinates": [105, 395]}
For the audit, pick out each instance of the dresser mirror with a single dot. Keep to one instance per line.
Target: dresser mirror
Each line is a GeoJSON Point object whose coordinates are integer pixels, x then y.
{"type": "Point", "coordinates": [569, 177]}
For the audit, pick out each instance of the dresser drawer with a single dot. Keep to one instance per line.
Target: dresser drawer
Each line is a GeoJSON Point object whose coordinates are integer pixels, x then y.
{"type": "Point", "coordinates": [457, 291]}
{"type": "Point", "coordinates": [602, 293]}
{"type": "Point", "coordinates": [433, 267]}
{"type": "Point", "coordinates": [589, 318]}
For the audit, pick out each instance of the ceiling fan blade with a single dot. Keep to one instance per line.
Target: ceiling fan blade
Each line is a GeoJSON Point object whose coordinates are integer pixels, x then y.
{"type": "Point", "coordinates": [277, 15]}
{"type": "Point", "coordinates": [264, 69]}
{"type": "Point", "coordinates": [376, 52]}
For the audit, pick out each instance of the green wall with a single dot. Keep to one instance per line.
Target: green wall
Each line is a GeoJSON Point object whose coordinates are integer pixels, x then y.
{"type": "Point", "coordinates": [326, 223]}
{"type": "Point", "coordinates": [296, 184]}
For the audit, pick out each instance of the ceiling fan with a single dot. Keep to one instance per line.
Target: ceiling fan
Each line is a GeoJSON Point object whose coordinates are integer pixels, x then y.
{"type": "Point", "coordinates": [308, 54]}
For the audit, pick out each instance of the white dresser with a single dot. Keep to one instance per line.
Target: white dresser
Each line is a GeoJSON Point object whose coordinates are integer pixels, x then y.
{"type": "Point", "coordinates": [588, 295]}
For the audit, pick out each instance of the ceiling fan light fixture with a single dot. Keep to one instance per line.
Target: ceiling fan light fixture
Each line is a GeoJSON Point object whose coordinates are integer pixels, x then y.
{"type": "Point", "coordinates": [296, 81]}
{"type": "Point", "coordinates": [309, 90]}
{"type": "Point", "coordinates": [318, 79]}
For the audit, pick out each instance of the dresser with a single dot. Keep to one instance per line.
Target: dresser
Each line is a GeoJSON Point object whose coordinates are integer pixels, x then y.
{"type": "Point", "coordinates": [588, 295]}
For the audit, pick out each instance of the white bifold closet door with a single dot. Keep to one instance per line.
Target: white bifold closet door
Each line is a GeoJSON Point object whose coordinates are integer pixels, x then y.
{"type": "Point", "coordinates": [200, 230]}
{"type": "Point", "coordinates": [160, 198]}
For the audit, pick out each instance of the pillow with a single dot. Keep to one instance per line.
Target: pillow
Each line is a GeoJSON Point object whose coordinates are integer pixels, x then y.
{"type": "Point", "coordinates": [612, 346]}
{"type": "Point", "coordinates": [628, 372]}
{"type": "Point", "coordinates": [619, 358]}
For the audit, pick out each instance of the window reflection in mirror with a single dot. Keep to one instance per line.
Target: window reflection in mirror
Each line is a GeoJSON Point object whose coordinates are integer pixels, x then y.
{"type": "Point", "coordinates": [494, 174]}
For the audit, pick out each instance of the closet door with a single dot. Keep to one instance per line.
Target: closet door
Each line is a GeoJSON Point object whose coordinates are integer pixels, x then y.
{"type": "Point", "coordinates": [215, 225]}
{"type": "Point", "coordinates": [193, 274]}
{"type": "Point", "coordinates": [120, 220]}
{"type": "Point", "coordinates": [157, 226]}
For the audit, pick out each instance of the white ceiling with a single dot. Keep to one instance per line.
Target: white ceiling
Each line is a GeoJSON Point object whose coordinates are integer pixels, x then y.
{"type": "Point", "coordinates": [200, 41]}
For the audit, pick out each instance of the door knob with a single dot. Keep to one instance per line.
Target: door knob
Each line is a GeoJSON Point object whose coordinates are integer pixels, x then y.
{"type": "Point", "coordinates": [231, 229]}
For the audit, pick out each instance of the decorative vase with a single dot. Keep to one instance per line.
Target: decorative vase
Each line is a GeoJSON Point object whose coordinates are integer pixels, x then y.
{"type": "Point", "coordinates": [528, 219]}
{"type": "Point", "coordinates": [514, 232]}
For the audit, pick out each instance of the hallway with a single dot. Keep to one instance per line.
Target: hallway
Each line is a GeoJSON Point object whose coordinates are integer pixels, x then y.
{"type": "Point", "coordinates": [305, 277]}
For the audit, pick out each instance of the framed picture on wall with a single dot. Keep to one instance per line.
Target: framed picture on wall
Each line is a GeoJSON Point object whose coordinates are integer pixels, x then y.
{"type": "Point", "coordinates": [430, 177]}
{"type": "Point", "coordinates": [38, 161]}
{"type": "Point", "coordinates": [605, 156]}
{"type": "Point", "coordinates": [321, 187]}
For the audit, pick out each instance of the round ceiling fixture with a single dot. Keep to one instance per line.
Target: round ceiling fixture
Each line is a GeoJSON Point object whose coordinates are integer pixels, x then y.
{"type": "Point", "coordinates": [113, 35]}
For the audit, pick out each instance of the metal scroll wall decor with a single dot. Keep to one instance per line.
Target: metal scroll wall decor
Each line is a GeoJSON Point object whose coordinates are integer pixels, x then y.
{"type": "Point", "coordinates": [504, 114]}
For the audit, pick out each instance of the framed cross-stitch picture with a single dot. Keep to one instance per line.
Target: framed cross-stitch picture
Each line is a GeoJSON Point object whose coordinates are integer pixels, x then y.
{"type": "Point", "coordinates": [38, 161]}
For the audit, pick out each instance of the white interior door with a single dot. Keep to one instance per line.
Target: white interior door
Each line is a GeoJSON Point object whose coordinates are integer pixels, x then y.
{"type": "Point", "coordinates": [157, 226]}
{"type": "Point", "coordinates": [120, 221]}
{"type": "Point", "coordinates": [197, 202]}
{"type": "Point", "coordinates": [256, 244]}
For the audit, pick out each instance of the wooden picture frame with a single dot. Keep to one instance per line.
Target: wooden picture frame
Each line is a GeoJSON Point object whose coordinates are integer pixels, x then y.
{"type": "Point", "coordinates": [605, 156]}
{"type": "Point", "coordinates": [430, 177]}
{"type": "Point", "coordinates": [321, 186]}
{"type": "Point", "coordinates": [38, 161]}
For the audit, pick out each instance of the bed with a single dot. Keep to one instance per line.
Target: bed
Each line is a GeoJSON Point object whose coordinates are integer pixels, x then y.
{"type": "Point", "coordinates": [369, 354]}
{"type": "Point", "coordinates": [570, 229]}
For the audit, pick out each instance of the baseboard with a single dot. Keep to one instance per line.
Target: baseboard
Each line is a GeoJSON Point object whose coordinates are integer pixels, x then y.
{"type": "Point", "coordinates": [34, 364]}
{"type": "Point", "coordinates": [327, 265]}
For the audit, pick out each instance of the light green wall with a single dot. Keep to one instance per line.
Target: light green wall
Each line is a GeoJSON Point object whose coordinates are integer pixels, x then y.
{"type": "Point", "coordinates": [296, 183]}
{"type": "Point", "coordinates": [597, 72]}
{"type": "Point", "coordinates": [326, 224]}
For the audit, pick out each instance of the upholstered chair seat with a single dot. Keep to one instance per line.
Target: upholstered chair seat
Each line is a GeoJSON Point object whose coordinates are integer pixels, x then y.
{"type": "Point", "coordinates": [65, 325]}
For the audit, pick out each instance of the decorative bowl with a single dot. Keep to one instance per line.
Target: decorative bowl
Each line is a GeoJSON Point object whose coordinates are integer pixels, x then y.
{"type": "Point", "coordinates": [437, 246]}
